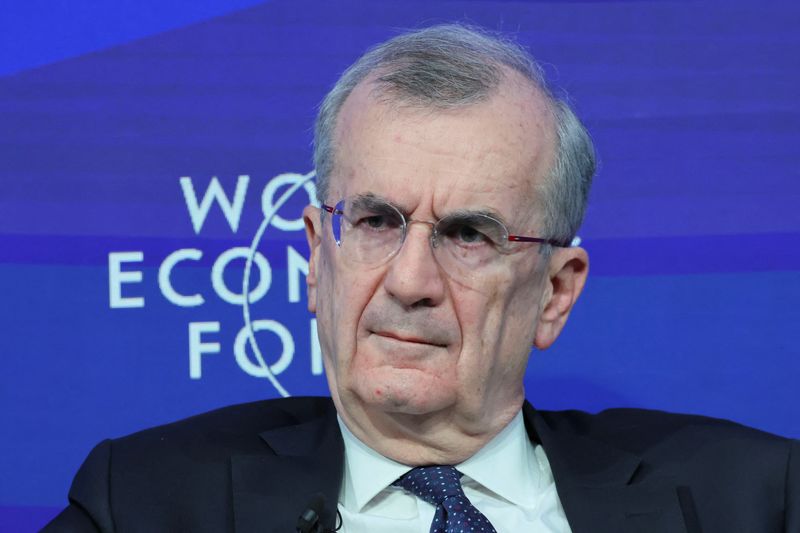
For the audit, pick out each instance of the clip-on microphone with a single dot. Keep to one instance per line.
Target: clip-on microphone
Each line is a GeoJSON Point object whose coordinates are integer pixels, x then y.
{"type": "Point", "coordinates": [309, 519]}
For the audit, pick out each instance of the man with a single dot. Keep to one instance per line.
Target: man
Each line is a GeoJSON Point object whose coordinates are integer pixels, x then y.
{"type": "Point", "coordinates": [452, 184]}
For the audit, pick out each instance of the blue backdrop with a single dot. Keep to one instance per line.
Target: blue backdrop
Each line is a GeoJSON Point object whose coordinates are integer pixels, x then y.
{"type": "Point", "coordinates": [141, 142]}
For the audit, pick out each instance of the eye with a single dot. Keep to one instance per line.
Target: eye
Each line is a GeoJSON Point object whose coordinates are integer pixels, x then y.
{"type": "Point", "coordinates": [468, 234]}
{"type": "Point", "coordinates": [472, 231]}
{"type": "Point", "coordinates": [376, 222]}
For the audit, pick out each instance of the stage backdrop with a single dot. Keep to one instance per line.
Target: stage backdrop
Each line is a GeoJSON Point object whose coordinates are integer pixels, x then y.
{"type": "Point", "coordinates": [142, 142]}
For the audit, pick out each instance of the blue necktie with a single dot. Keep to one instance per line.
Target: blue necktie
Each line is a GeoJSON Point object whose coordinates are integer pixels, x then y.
{"type": "Point", "coordinates": [441, 486]}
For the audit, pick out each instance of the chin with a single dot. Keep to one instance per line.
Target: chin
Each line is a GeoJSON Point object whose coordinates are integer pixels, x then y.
{"type": "Point", "coordinates": [401, 390]}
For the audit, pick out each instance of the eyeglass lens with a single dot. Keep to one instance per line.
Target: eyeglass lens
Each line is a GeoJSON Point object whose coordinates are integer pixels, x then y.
{"type": "Point", "coordinates": [371, 231]}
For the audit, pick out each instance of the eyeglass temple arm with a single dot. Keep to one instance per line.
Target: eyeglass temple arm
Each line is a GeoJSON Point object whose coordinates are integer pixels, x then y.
{"type": "Point", "coordinates": [552, 242]}
{"type": "Point", "coordinates": [332, 210]}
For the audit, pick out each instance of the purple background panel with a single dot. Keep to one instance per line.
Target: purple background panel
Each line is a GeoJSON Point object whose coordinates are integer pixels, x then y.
{"type": "Point", "coordinates": [693, 228]}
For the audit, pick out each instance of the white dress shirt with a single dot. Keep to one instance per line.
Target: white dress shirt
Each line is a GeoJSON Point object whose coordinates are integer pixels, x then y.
{"type": "Point", "coordinates": [509, 480]}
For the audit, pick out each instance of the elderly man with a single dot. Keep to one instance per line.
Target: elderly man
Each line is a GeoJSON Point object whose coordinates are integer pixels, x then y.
{"type": "Point", "coordinates": [452, 184]}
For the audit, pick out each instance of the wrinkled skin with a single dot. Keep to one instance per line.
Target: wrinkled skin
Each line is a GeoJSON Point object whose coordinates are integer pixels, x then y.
{"type": "Point", "coordinates": [425, 366]}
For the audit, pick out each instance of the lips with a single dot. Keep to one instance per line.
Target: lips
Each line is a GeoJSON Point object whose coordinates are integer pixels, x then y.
{"type": "Point", "coordinates": [405, 337]}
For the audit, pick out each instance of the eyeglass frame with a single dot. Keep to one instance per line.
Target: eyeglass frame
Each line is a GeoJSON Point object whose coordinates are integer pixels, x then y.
{"type": "Point", "coordinates": [407, 221]}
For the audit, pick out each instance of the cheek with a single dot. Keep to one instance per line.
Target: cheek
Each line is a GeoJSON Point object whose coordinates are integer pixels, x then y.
{"type": "Point", "coordinates": [498, 326]}
{"type": "Point", "coordinates": [326, 319]}
{"type": "Point", "coordinates": [333, 306]}
{"type": "Point", "coordinates": [480, 318]}
{"type": "Point", "coordinates": [521, 312]}
{"type": "Point", "coordinates": [483, 312]}
{"type": "Point", "coordinates": [342, 297]}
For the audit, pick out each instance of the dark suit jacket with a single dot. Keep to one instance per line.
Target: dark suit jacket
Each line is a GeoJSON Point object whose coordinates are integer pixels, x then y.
{"type": "Point", "coordinates": [254, 467]}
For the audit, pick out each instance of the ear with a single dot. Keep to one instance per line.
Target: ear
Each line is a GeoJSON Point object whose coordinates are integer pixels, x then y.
{"type": "Point", "coordinates": [565, 280]}
{"type": "Point", "coordinates": [311, 217]}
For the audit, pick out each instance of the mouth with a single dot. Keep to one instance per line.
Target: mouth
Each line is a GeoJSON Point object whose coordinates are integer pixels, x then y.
{"type": "Point", "coordinates": [402, 337]}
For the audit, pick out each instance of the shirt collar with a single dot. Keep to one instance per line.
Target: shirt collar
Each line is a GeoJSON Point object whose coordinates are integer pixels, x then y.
{"type": "Point", "coordinates": [507, 466]}
{"type": "Point", "coordinates": [366, 471]}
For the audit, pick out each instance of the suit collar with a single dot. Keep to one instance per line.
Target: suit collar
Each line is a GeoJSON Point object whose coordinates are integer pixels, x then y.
{"type": "Point", "coordinates": [597, 483]}
{"type": "Point", "coordinates": [270, 491]}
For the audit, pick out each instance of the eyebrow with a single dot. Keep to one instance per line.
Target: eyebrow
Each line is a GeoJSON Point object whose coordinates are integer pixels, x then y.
{"type": "Point", "coordinates": [474, 214]}
{"type": "Point", "coordinates": [374, 201]}
{"type": "Point", "coordinates": [371, 201]}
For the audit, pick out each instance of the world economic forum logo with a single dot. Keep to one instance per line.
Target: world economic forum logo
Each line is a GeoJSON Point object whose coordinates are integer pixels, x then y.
{"type": "Point", "coordinates": [125, 271]}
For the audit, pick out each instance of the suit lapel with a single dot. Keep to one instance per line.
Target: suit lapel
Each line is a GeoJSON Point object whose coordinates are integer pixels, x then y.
{"type": "Point", "coordinates": [270, 491]}
{"type": "Point", "coordinates": [595, 483]}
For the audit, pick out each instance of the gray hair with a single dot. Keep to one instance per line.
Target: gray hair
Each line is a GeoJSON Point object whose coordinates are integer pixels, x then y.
{"type": "Point", "coordinates": [450, 66]}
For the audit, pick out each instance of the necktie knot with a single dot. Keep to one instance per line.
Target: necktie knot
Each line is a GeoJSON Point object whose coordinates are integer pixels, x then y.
{"type": "Point", "coordinates": [432, 483]}
{"type": "Point", "coordinates": [441, 486]}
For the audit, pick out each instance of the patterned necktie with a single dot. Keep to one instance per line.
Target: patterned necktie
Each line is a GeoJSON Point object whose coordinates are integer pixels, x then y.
{"type": "Point", "coordinates": [441, 486]}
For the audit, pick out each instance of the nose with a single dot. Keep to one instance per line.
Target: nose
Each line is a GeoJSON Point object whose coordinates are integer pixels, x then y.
{"type": "Point", "coordinates": [414, 278]}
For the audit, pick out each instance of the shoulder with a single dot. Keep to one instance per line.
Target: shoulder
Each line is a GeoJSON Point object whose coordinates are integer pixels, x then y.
{"type": "Point", "coordinates": [640, 429]}
{"type": "Point", "coordinates": [236, 426]}
{"type": "Point", "coordinates": [669, 442]}
{"type": "Point", "coordinates": [174, 469]}
{"type": "Point", "coordinates": [246, 418]}
{"type": "Point", "coordinates": [201, 443]}
{"type": "Point", "coordinates": [736, 475]}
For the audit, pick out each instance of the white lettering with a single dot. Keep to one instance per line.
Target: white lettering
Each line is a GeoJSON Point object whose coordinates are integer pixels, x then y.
{"type": "Point", "coordinates": [197, 347]}
{"type": "Point", "coordinates": [255, 369]}
{"type": "Point", "coordinates": [165, 283]}
{"type": "Point", "coordinates": [199, 212]}
{"type": "Point", "coordinates": [268, 199]}
{"type": "Point", "coordinates": [264, 276]}
{"type": "Point", "coordinates": [296, 265]}
{"type": "Point", "coordinates": [116, 277]}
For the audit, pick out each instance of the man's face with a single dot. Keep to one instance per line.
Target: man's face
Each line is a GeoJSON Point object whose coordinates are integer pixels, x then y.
{"type": "Point", "coordinates": [408, 337]}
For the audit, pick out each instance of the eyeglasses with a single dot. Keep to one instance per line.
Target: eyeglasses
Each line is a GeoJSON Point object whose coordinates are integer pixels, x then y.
{"type": "Point", "coordinates": [371, 231]}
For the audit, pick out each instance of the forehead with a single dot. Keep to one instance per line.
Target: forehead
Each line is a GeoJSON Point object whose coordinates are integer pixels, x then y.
{"type": "Point", "coordinates": [491, 155]}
